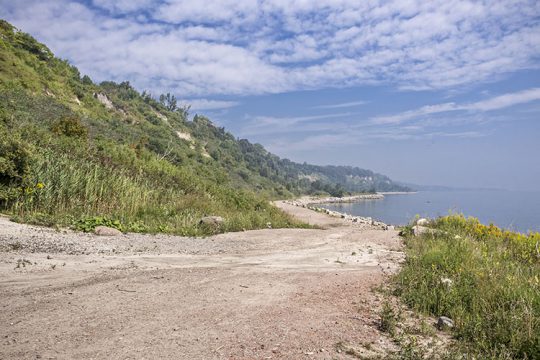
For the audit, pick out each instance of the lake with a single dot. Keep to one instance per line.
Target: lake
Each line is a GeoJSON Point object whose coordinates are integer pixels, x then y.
{"type": "Point", "coordinates": [514, 210]}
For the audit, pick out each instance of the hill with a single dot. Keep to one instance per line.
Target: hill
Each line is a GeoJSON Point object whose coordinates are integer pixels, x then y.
{"type": "Point", "coordinates": [76, 152]}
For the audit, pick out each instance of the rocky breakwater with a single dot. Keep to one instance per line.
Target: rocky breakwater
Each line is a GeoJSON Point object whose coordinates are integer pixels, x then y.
{"type": "Point", "coordinates": [309, 202]}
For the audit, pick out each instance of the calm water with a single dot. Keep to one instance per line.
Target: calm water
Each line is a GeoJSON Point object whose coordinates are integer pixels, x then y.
{"type": "Point", "coordinates": [519, 211]}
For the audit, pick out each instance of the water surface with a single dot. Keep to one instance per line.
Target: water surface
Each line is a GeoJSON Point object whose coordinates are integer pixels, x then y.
{"type": "Point", "coordinates": [515, 210]}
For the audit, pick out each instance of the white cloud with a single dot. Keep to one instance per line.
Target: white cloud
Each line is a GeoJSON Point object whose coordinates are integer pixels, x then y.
{"type": "Point", "coordinates": [272, 125]}
{"type": "Point", "coordinates": [123, 6]}
{"type": "Point", "coordinates": [206, 104]}
{"type": "Point", "coordinates": [268, 46]}
{"type": "Point", "coordinates": [341, 105]}
{"type": "Point", "coordinates": [494, 103]}
{"type": "Point", "coordinates": [411, 114]}
{"type": "Point", "coordinates": [506, 100]}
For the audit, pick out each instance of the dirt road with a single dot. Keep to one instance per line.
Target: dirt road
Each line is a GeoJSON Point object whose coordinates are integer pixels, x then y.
{"type": "Point", "coordinates": [265, 294]}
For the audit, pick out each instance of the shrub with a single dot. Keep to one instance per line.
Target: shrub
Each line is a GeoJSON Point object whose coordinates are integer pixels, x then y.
{"type": "Point", "coordinates": [15, 158]}
{"type": "Point", "coordinates": [70, 126]}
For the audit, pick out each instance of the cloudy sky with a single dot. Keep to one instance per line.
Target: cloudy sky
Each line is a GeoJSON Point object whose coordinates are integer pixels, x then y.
{"type": "Point", "coordinates": [431, 92]}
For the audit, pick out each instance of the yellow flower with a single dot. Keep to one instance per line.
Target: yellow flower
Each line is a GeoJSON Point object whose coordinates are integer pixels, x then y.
{"type": "Point", "coordinates": [40, 185]}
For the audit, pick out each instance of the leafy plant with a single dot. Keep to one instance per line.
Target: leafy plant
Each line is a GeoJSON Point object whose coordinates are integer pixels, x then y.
{"type": "Point", "coordinates": [89, 224]}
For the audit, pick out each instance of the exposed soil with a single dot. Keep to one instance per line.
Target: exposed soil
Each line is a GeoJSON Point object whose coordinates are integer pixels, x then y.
{"type": "Point", "coordinates": [265, 294]}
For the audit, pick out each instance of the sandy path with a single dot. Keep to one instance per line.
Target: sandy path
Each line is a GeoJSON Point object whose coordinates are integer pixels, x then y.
{"type": "Point", "coordinates": [275, 293]}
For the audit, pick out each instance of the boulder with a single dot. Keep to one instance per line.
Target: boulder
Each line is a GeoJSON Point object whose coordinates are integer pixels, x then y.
{"type": "Point", "coordinates": [211, 220]}
{"type": "Point", "coordinates": [422, 222]}
{"type": "Point", "coordinates": [102, 98]}
{"type": "Point", "coordinates": [106, 231]}
{"type": "Point", "coordinates": [445, 323]}
{"type": "Point", "coordinates": [419, 230]}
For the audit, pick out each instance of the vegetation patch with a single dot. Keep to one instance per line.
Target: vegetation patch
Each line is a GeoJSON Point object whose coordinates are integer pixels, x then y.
{"type": "Point", "coordinates": [487, 280]}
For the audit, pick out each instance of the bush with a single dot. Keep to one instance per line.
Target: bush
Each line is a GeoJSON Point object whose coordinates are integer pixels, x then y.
{"type": "Point", "coordinates": [70, 126]}
{"type": "Point", "coordinates": [15, 158]}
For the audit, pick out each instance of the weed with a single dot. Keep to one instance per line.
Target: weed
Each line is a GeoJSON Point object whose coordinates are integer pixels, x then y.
{"type": "Point", "coordinates": [388, 319]}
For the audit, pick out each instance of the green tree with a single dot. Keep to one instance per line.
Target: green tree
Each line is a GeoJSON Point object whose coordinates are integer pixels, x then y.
{"type": "Point", "coordinates": [169, 101]}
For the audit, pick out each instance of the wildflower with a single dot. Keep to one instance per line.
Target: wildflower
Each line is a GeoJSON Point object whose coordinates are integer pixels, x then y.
{"type": "Point", "coordinates": [40, 185]}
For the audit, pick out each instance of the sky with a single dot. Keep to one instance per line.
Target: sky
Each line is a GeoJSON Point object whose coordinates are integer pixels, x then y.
{"type": "Point", "coordinates": [427, 92]}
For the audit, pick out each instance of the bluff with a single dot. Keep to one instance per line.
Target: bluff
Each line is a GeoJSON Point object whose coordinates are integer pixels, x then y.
{"type": "Point", "coordinates": [76, 152]}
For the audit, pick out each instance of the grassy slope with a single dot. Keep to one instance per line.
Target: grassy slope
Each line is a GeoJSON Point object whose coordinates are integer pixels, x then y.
{"type": "Point", "coordinates": [66, 158]}
{"type": "Point", "coordinates": [494, 297]}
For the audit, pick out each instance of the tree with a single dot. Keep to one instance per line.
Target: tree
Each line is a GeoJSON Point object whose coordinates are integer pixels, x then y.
{"type": "Point", "coordinates": [86, 80]}
{"type": "Point", "coordinates": [169, 101]}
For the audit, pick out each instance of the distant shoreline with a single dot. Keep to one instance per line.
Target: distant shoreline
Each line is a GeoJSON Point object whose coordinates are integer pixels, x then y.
{"type": "Point", "coordinates": [311, 200]}
{"type": "Point", "coordinates": [397, 192]}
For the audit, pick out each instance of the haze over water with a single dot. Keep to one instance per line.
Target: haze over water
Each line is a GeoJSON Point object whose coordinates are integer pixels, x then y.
{"type": "Point", "coordinates": [514, 210]}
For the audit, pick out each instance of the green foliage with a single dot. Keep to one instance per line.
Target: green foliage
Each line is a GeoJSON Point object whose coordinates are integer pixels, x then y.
{"type": "Point", "coordinates": [388, 319]}
{"type": "Point", "coordinates": [70, 126]}
{"type": "Point", "coordinates": [494, 294]}
{"type": "Point", "coordinates": [168, 101]}
{"type": "Point", "coordinates": [89, 224]}
{"type": "Point", "coordinates": [15, 161]}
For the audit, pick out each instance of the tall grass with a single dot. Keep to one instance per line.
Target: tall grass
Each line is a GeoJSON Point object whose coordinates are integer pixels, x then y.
{"type": "Point", "coordinates": [494, 295]}
{"type": "Point", "coordinates": [152, 197]}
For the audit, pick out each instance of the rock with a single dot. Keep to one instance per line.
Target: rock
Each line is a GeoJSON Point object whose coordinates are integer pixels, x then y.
{"type": "Point", "coordinates": [445, 323]}
{"type": "Point", "coordinates": [390, 227]}
{"type": "Point", "coordinates": [102, 98]}
{"type": "Point", "coordinates": [447, 282]}
{"type": "Point", "coordinates": [106, 231]}
{"type": "Point", "coordinates": [422, 222]}
{"type": "Point", "coordinates": [212, 220]}
{"type": "Point", "coordinates": [419, 230]}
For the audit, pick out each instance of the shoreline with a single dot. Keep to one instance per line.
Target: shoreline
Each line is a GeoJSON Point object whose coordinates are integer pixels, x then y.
{"type": "Point", "coordinates": [398, 192]}
{"type": "Point", "coordinates": [308, 203]}
{"type": "Point", "coordinates": [311, 200]}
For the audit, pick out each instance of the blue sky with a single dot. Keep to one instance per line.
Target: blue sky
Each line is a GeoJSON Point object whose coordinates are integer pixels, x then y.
{"type": "Point", "coordinates": [430, 92]}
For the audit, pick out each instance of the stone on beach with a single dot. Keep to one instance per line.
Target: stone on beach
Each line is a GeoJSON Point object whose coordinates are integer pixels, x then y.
{"type": "Point", "coordinates": [211, 220]}
{"type": "Point", "coordinates": [106, 231]}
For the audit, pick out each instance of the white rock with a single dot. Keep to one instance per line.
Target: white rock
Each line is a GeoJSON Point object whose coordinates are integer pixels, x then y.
{"type": "Point", "coordinates": [184, 136]}
{"type": "Point", "coordinates": [444, 323]}
{"type": "Point", "coordinates": [102, 98]}
{"type": "Point", "coordinates": [446, 281]}
{"type": "Point", "coordinates": [419, 230]}
{"type": "Point", "coordinates": [211, 220]}
{"type": "Point", "coordinates": [422, 222]}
